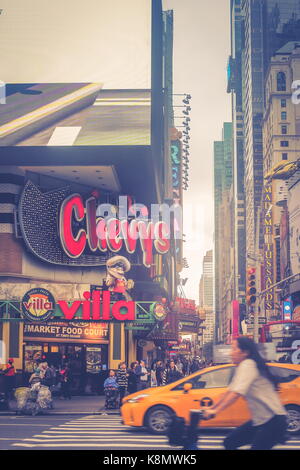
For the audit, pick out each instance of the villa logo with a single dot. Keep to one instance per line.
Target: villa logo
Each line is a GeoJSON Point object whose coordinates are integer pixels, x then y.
{"type": "Point", "coordinates": [38, 304]}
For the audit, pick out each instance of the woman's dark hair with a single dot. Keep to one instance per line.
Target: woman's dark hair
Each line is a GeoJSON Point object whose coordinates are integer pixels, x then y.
{"type": "Point", "coordinates": [248, 345]}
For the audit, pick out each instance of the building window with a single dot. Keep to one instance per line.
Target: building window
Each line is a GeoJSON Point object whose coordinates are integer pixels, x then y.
{"type": "Point", "coordinates": [283, 103]}
{"type": "Point", "coordinates": [283, 129]}
{"type": "Point", "coordinates": [283, 115]}
{"type": "Point", "coordinates": [281, 81]}
{"type": "Point", "coordinates": [284, 143]}
{"type": "Point", "coordinates": [284, 156]}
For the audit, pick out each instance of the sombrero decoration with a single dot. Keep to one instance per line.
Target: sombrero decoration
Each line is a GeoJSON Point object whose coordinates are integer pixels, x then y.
{"type": "Point", "coordinates": [119, 259]}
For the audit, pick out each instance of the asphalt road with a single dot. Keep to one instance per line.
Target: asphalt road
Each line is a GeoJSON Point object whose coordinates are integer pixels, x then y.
{"type": "Point", "coordinates": [94, 432]}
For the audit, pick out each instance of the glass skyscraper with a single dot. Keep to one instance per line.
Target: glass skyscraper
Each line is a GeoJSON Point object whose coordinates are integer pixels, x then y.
{"type": "Point", "coordinates": [267, 25]}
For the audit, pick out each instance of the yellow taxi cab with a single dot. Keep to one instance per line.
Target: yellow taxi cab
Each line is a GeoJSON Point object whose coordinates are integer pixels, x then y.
{"type": "Point", "coordinates": [154, 407]}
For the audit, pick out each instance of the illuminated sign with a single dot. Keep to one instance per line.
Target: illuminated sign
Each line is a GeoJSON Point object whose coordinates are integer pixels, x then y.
{"type": "Point", "coordinates": [176, 160]}
{"type": "Point", "coordinates": [268, 250]}
{"type": "Point", "coordinates": [87, 331]}
{"type": "Point", "coordinates": [108, 235]}
{"type": "Point", "coordinates": [184, 305]}
{"type": "Point", "coordinates": [39, 305]}
{"type": "Point", "coordinates": [84, 239]}
{"type": "Point", "coordinates": [159, 311]}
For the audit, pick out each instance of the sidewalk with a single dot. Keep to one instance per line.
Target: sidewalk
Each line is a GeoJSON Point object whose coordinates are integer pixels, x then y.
{"type": "Point", "coordinates": [76, 406]}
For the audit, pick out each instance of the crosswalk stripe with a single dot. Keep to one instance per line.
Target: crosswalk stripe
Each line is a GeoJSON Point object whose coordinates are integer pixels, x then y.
{"type": "Point", "coordinates": [112, 445]}
{"type": "Point", "coordinates": [112, 434]}
{"type": "Point", "coordinates": [108, 433]}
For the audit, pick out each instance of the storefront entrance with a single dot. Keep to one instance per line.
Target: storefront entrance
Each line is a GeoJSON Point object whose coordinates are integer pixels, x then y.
{"type": "Point", "coordinates": [88, 363]}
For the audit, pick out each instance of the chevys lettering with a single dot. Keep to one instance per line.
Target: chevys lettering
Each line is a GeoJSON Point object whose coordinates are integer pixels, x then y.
{"type": "Point", "coordinates": [108, 234]}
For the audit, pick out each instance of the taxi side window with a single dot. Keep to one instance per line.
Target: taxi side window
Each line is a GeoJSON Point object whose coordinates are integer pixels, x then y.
{"type": "Point", "coordinates": [284, 375]}
{"type": "Point", "coordinates": [216, 379]}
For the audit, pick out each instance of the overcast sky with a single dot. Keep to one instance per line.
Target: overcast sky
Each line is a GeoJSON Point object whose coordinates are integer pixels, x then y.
{"type": "Point", "coordinates": [201, 50]}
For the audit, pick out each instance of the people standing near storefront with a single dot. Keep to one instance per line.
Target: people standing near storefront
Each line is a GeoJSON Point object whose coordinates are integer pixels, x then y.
{"type": "Point", "coordinates": [35, 378]}
{"type": "Point", "coordinates": [171, 374]}
{"type": "Point", "coordinates": [9, 373]}
{"type": "Point", "coordinates": [66, 380]}
{"type": "Point", "coordinates": [179, 366]}
{"type": "Point", "coordinates": [159, 373]}
{"type": "Point", "coordinates": [143, 376]}
{"type": "Point", "coordinates": [194, 366]}
{"type": "Point", "coordinates": [122, 381]}
{"type": "Point", "coordinates": [132, 378]}
{"type": "Point", "coordinates": [46, 375]}
{"type": "Point", "coordinates": [253, 381]}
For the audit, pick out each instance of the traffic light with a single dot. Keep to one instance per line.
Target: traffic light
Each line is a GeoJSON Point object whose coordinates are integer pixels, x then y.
{"type": "Point", "coordinates": [251, 286]}
{"type": "Point", "coordinates": [287, 309]}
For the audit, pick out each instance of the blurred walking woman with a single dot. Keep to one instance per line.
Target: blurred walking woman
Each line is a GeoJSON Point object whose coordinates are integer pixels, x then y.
{"type": "Point", "coordinates": [253, 381]}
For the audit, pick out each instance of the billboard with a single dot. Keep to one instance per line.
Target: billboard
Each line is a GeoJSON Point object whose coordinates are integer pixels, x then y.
{"type": "Point", "coordinates": [66, 42]}
{"type": "Point", "coordinates": [75, 75]}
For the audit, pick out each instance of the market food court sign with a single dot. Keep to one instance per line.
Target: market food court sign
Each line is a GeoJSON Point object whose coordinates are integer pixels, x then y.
{"type": "Point", "coordinates": [39, 305]}
{"type": "Point", "coordinates": [89, 332]}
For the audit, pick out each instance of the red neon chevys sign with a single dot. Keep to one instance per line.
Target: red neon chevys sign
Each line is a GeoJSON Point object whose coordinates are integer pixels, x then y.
{"type": "Point", "coordinates": [109, 235]}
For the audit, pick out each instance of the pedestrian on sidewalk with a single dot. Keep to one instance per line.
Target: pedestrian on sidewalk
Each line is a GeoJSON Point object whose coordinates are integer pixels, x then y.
{"type": "Point", "coordinates": [66, 380]}
{"type": "Point", "coordinates": [253, 381]}
{"type": "Point", "coordinates": [9, 379]}
{"type": "Point", "coordinates": [171, 374]}
{"type": "Point", "coordinates": [111, 390]}
{"type": "Point", "coordinates": [122, 381]}
{"type": "Point", "coordinates": [159, 373]}
{"type": "Point", "coordinates": [132, 378]}
{"type": "Point", "coordinates": [142, 375]}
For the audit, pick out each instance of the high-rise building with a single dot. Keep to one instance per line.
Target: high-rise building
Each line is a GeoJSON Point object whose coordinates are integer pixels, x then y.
{"type": "Point", "coordinates": [206, 283]}
{"type": "Point", "coordinates": [235, 87]}
{"type": "Point", "coordinates": [281, 137]}
{"type": "Point", "coordinates": [252, 77]}
{"type": "Point", "coordinates": [222, 184]}
{"type": "Point", "coordinates": [206, 297]}
{"type": "Point", "coordinates": [259, 28]}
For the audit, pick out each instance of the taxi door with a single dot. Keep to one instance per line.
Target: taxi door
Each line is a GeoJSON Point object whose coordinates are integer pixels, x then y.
{"type": "Point", "coordinates": [207, 390]}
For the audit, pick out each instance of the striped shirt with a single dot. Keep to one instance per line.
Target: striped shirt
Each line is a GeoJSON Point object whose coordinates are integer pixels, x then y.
{"type": "Point", "coordinates": [122, 379]}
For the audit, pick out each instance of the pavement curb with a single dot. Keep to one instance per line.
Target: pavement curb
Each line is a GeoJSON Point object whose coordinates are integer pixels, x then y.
{"type": "Point", "coordinates": [65, 413]}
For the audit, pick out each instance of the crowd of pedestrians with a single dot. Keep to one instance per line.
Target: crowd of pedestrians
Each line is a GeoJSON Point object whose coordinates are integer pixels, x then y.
{"type": "Point", "coordinates": [137, 377]}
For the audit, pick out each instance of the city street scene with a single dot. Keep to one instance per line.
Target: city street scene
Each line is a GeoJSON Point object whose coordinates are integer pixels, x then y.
{"type": "Point", "coordinates": [149, 228]}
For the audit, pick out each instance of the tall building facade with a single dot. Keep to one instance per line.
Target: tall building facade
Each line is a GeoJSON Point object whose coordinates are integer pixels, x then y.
{"type": "Point", "coordinates": [222, 185]}
{"type": "Point", "coordinates": [206, 283]}
{"type": "Point", "coordinates": [206, 297]}
{"type": "Point", "coordinates": [258, 29]}
{"type": "Point", "coordinates": [235, 87]}
{"type": "Point", "coordinates": [281, 137]}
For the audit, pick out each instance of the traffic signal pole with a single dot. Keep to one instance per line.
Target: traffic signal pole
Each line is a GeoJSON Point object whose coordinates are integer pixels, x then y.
{"type": "Point", "coordinates": [260, 298]}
